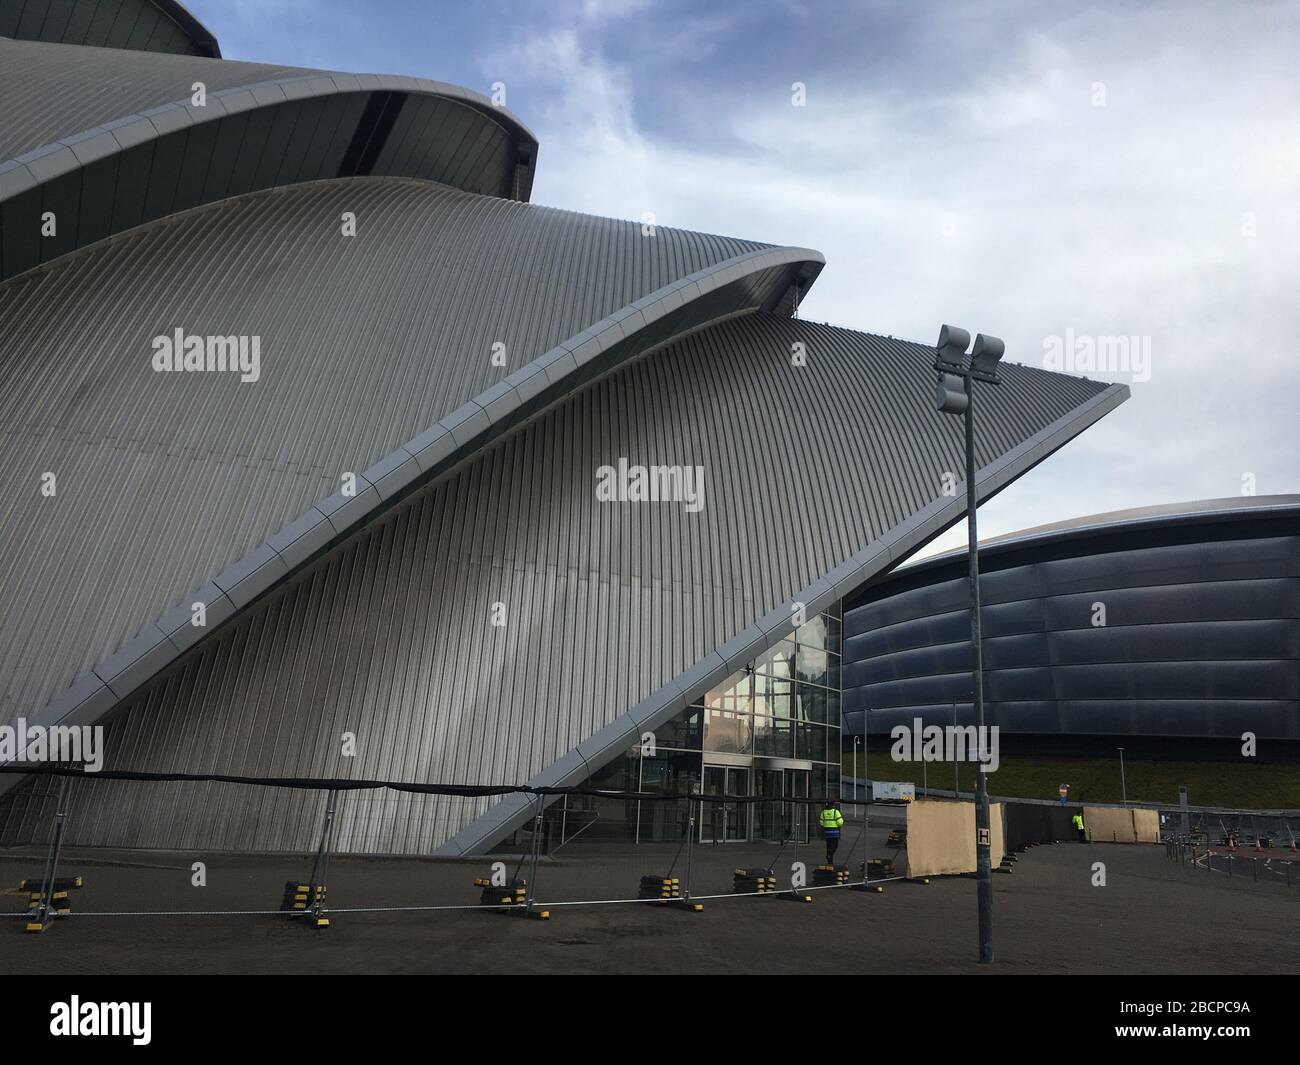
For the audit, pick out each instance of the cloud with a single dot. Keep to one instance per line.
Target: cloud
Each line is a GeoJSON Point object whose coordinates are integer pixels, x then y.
{"type": "Point", "coordinates": [1134, 177]}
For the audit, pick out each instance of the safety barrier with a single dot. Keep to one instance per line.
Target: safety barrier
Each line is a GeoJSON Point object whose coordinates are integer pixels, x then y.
{"type": "Point", "coordinates": [1032, 824]}
{"type": "Point", "coordinates": [1258, 859]}
{"type": "Point", "coordinates": [1204, 824]}
{"type": "Point", "coordinates": [581, 846]}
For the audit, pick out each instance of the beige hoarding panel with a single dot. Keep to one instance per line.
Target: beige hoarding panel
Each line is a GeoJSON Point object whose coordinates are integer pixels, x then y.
{"type": "Point", "coordinates": [940, 837]}
{"type": "Point", "coordinates": [1146, 826]}
{"type": "Point", "coordinates": [1108, 825]}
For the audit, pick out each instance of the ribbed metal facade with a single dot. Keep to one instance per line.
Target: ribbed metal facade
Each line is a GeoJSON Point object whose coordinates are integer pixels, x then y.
{"type": "Point", "coordinates": [389, 636]}
{"type": "Point", "coordinates": [1180, 621]}
{"type": "Point", "coordinates": [147, 25]}
{"type": "Point", "coordinates": [165, 479]}
{"type": "Point", "coordinates": [104, 141]}
{"type": "Point", "coordinates": [52, 91]}
{"type": "Point", "coordinates": [371, 614]}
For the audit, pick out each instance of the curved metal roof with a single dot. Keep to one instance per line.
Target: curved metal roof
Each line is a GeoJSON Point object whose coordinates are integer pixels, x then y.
{"type": "Point", "coordinates": [110, 140]}
{"type": "Point", "coordinates": [55, 91]}
{"type": "Point", "coordinates": [376, 359]}
{"type": "Point", "coordinates": [52, 92]}
{"type": "Point", "coordinates": [1229, 508]}
{"type": "Point", "coordinates": [616, 615]}
{"type": "Point", "coordinates": [148, 25]}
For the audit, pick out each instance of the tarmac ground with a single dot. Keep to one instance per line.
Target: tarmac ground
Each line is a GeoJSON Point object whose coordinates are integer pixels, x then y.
{"type": "Point", "coordinates": [1052, 915]}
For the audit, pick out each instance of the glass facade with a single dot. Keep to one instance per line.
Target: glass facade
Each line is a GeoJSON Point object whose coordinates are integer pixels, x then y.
{"type": "Point", "coordinates": [772, 729]}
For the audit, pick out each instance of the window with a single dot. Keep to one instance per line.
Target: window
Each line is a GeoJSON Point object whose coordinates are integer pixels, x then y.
{"type": "Point", "coordinates": [729, 732]}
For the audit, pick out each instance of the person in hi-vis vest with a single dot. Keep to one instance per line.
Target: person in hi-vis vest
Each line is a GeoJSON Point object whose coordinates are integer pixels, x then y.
{"type": "Point", "coordinates": [831, 821]}
{"type": "Point", "coordinates": [1078, 825]}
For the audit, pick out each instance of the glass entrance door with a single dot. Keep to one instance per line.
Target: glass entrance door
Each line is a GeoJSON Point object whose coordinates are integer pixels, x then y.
{"type": "Point", "coordinates": [770, 814]}
{"type": "Point", "coordinates": [776, 819]}
{"type": "Point", "coordinates": [725, 822]}
{"type": "Point", "coordinates": [798, 814]}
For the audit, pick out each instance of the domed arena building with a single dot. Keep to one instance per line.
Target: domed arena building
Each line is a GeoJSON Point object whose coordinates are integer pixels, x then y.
{"type": "Point", "coordinates": [1172, 629]}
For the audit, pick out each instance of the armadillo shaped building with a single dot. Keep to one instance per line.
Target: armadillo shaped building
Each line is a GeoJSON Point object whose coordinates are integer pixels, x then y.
{"type": "Point", "coordinates": [386, 525]}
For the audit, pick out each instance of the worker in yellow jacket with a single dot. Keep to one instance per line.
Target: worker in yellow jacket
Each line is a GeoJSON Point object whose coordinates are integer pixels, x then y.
{"type": "Point", "coordinates": [832, 821]}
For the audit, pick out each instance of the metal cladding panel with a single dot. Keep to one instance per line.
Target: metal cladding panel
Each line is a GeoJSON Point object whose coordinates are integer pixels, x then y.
{"type": "Point", "coordinates": [1201, 633]}
{"type": "Point", "coordinates": [389, 635]}
{"type": "Point", "coordinates": [52, 91]}
{"type": "Point", "coordinates": [1201, 641]}
{"type": "Point", "coordinates": [178, 157]}
{"type": "Point", "coordinates": [164, 479]}
{"type": "Point", "coordinates": [148, 25]}
{"type": "Point", "coordinates": [105, 140]}
{"type": "Point", "coordinates": [1267, 556]}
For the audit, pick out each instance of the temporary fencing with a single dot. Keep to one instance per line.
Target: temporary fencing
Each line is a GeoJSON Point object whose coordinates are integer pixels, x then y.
{"type": "Point", "coordinates": [1259, 859]}
{"type": "Point", "coordinates": [580, 846]}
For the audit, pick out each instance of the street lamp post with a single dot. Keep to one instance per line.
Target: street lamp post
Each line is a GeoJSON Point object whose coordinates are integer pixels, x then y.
{"type": "Point", "coordinates": [1123, 785]}
{"type": "Point", "coordinates": [857, 777]}
{"type": "Point", "coordinates": [955, 394]}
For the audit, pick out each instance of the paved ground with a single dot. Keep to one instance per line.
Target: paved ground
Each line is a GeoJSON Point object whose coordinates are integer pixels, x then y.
{"type": "Point", "coordinates": [1153, 916]}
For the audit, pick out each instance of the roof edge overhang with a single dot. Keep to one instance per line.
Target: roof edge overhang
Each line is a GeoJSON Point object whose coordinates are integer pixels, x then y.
{"type": "Point", "coordinates": [761, 280]}
{"type": "Point", "coordinates": [203, 38]}
{"type": "Point", "coordinates": [601, 748]}
{"type": "Point", "coordinates": [1224, 511]}
{"type": "Point", "coordinates": [200, 37]}
{"type": "Point", "coordinates": [25, 179]}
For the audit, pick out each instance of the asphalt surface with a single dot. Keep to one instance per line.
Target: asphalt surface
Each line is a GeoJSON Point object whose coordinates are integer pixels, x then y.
{"type": "Point", "coordinates": [1152, 916]}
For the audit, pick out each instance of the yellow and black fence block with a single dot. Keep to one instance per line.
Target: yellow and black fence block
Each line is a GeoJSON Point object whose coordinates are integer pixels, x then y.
{"type": "Point", "coordinates": [43, 907]}
{"type": "Point", "coordinates": [300, 897]}
{"type": "Point", "coordinates": [830, 875]}
{"type": "Point", "coordinates": [878, 868]}
{"type": "Point", "coordinates": [514, 893]}
{"type": "Point", "coordinates": [659, 887]}
{"type": "Point", "coordinates": [754, 881]}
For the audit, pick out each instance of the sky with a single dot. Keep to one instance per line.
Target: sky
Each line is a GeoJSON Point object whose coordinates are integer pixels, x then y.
{"type": "Point", "coordinates": [1059, 175]}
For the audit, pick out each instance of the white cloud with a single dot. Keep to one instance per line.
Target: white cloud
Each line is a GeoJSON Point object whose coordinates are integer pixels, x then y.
{"type": "Point", "coordinates": [1123, 219]}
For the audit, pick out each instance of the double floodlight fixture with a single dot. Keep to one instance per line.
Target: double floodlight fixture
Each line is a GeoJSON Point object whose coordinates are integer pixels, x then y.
{"type": "Point", "coordinates": [957, 369]}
